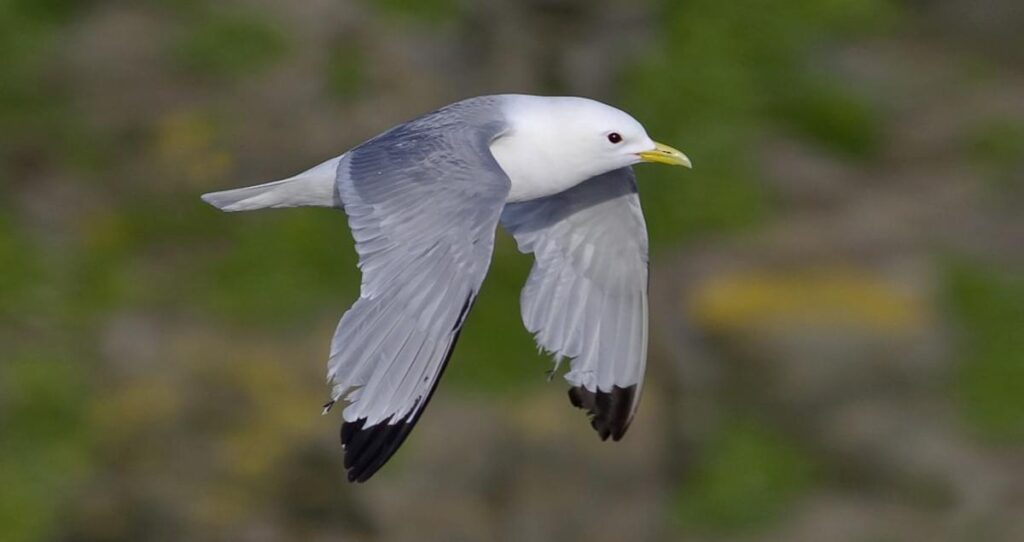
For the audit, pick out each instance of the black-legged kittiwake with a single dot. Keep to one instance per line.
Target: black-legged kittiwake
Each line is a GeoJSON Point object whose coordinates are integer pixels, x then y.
{"type": "Point", "coordinates": [423, 201]}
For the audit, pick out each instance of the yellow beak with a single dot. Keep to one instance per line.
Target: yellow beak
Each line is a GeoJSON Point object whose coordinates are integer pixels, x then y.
{"type": "Point", "coordinates": [663, 154]}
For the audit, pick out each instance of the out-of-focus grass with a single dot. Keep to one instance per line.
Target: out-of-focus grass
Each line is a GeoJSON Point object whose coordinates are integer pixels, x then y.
{"type": "Point", "coordinates": [189, 146]}
{"type": "Point", "coordinates": [724, 72]}
{"type": "Point", "coordinates": [34, 122]}
{"type": "Point", "coordinates": [495, 352]}
{"type": "Point", "coordinates": [998, 143]}
{"type": "Point", "coordinates": [989, 307]}
{"type": "Point", "coordinates": [346, 71]}
{"type": "Point", "coordinates": [421, 11]}
{"type": "Point", "coordinates": [997, 148]}
{"type": "Point", "coordinates": [48, 11]}
{"type": "Point", "coordinates": [747, 476]}
{"type": "Point", "coordinates": [229, 45]}
{"type": "Point", "coordinates": [19, 269]}
{"type": "Point", "coordinates": [43, 437]}
{"type": "Point", "coordinates": [832, 118]}
{"type": "Point", "coordinates": [279, 267]}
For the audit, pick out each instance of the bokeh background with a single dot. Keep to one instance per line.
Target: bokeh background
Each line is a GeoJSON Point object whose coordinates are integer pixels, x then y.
{"type": "Point", "coordinates": [838, 301]}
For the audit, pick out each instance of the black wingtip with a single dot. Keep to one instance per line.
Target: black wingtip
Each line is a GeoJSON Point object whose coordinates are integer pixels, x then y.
{"type": "Point", "coordinates": [368, 448]}
{"type": "Point", "coordinates": [609, 411]}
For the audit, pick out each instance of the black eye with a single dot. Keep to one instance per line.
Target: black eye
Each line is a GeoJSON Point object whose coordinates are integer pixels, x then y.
{"type": "Point", "coordinates": [614, 137]}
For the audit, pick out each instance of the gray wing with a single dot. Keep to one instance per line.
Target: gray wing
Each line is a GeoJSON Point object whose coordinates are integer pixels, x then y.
{"type": "Point", "coordinates": [423, 201]}
{"type": "Point", "coordinates": [586, 297]}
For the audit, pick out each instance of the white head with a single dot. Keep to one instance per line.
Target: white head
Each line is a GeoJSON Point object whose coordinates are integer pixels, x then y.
{"type": "Point", "coordinates": [555, 143]}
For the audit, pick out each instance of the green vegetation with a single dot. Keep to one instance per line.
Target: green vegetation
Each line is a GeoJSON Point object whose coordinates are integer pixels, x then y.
{"type": "Point", "coordinates": [998, 143]}
{"type": "Point", "coordinates": [748, 476]}
{"type": "Point", "coordinates": [832, 118]}
{"type": "Point", "coordinates": [504, 361]}
{"type": "Point", "coordinates": [19, 269]}
{"type": "Point", "coordinates": [997, 148]}
{"type": "Point", "coordinates": [32, 116]}
{"type": "Point", "coordinates": [989, 307]}
{"type": "Point", "coordinates": [230, 45]}
{"type": "Point", "coordinates": [726, 71]}
{"type": "Point", "coordinates": [346, 71]}
{"type": "Point", "coordinates": [41, 426]}
{"type": "Point", "coordinates": [420, 11]}
{"type": "Point", "coordinates": [304, 267]}
{"type": "Point", "coordinates": [47, 11]}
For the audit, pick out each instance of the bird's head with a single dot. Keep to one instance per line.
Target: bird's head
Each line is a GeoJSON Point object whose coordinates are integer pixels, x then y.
{"type": "Point", "coordinates": [566, 140]}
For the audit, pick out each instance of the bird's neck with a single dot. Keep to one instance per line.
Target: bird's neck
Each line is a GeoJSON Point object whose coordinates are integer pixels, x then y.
{"type": "Point", "coordinates": [534, 172]}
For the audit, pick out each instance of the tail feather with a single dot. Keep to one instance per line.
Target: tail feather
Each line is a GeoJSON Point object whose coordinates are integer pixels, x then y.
{"type": "Point", "coordinates": [313, 188]}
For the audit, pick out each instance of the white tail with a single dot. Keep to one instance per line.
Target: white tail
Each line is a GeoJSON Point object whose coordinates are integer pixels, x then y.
{"type": "Point", "coordinates": [313, 188]}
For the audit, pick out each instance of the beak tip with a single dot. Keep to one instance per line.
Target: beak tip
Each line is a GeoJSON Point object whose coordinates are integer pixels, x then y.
{"type": "Point", "coordinates": [663, 154]}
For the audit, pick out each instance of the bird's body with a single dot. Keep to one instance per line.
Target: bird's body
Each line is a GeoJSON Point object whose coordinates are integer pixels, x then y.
{"type": "Point", "coordinates": [423, 200]}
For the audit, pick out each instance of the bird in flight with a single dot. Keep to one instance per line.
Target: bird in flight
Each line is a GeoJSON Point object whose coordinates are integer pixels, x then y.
{"type": "Point", "coordinates": [423, 200]}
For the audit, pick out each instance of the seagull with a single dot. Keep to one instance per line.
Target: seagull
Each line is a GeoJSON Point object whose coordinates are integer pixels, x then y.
{"type": "Point", "coordinates": [423, 201]}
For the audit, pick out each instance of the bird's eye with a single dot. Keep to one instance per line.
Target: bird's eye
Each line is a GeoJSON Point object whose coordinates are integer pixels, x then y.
{"type": "Point", "coordinates": [614, 137]}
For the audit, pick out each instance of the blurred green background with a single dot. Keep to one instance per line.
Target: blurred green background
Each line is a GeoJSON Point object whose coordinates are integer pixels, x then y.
{"type": "Point", "coordinates": [837, 291]}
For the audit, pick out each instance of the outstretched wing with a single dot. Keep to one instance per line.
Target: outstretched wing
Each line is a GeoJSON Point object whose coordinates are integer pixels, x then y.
{"type": "Point", "coordinates": [586, 297]}
{"type": "Point", "coordinates": [423, 201]}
